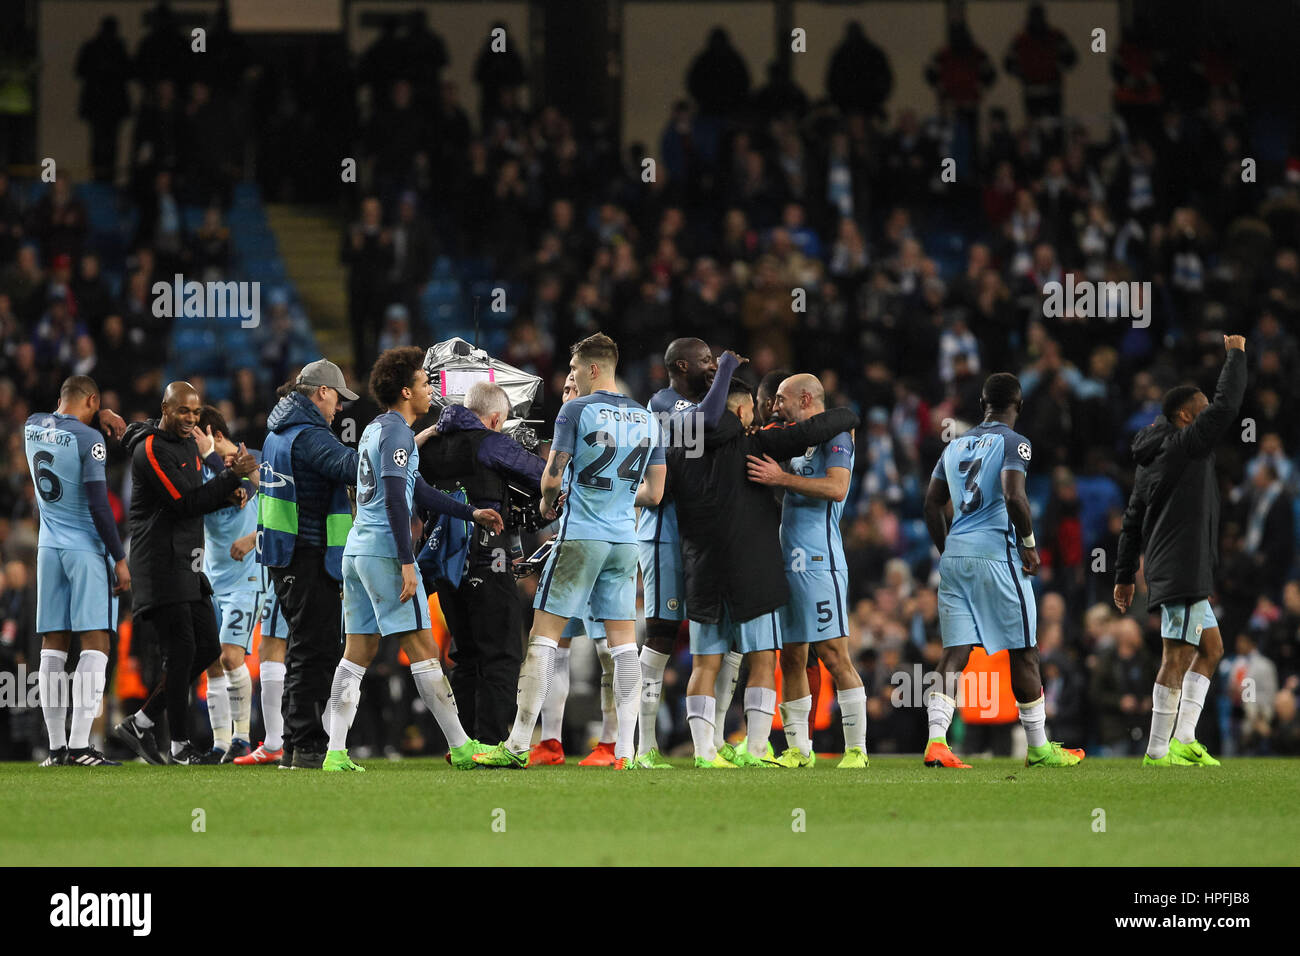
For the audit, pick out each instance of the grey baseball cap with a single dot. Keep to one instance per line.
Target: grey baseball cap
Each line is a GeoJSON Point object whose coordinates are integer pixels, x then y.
{"type": "Point", "coordinates": [325, 372]}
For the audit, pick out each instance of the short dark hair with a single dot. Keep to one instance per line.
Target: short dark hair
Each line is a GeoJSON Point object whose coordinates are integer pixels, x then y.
{"type": "Point", "coordinates": [1001, 390]}
{"type": "Point", "coordinates": [210, 417]}
{"type": "Point", "coordinates": [394, 370]}
{"type": "Point", "coordinates": [75, 386]}
{"type": "Point", "coordinates": [598, 348]}
{"type": "Point", "coordinates": [738, 387]}
{"type": "Point", "coordinates": [1175, 399]}
{"type": "Point", "coordinates": [770, 382]}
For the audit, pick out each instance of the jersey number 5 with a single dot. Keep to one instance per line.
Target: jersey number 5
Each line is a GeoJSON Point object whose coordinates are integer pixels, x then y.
{"type": "Point", "coordinates": [973, 497]}
{"type": "Point", "coordinates": [629, 468]}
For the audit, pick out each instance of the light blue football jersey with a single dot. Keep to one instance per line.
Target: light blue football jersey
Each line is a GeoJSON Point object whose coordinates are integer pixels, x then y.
{"type": "Point", "coordinates": [973, 465]}
{"type": "Point", "coordinates": [660, 524]}
{"type": "Point", "coordinates": [612, 440]}
{"type": "Point", "coordinates": [221, 529]}
{"type": "Point", "coordinates": [387, 449]}
{"type": "Point", "coordinates": [63, 454]}
{"type": "Point", "coordinates": [810, 527]}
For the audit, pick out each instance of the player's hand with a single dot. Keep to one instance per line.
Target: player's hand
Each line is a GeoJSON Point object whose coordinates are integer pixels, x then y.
{"type": "Point", "coordinates": [112, 424]}
{"type": "Point", "coordinates": [488, 518]}
{"type": "Point", "coordinates": [740, 359]}
{"type": "Point", "coordinates": [409, 583]}
{"type": "Point", "coordinates": [765, 471]}
{"type": "Point", "coordinates": [244, 463]}
{"type": "Point", "coordinates": [203, 438]}
{"type": "Point", "coordinates": [123, 577]}
{"type": "Point", "coordinates": [1029, 560]}
{"type": "Point", "coordinates": [1123, 597]}
{"type": "Point", "coordinates": [1231, 342]}
{"type": "Point", "coordinates": [425, 435]}
{"type": "Point", "coordinates": [238, 498]}
{"type": "Point", "coordinates": [240, 547]}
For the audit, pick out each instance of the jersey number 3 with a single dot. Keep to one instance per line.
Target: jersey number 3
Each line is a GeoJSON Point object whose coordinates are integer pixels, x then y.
{"type": "Point", "coordinates": [973, 497]}
{"type": "Point", "coordinates": [629, 468]}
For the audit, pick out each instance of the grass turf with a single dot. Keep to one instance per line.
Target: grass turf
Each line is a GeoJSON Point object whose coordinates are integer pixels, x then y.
{"type": "Point", "coordinates": [421, 812]}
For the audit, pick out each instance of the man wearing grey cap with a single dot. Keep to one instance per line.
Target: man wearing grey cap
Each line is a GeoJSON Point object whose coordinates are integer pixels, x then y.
{"type": "Point", "coordinates": [303, 518]}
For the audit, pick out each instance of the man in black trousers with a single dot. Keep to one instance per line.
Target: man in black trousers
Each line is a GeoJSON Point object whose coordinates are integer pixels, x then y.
{"type": "Point", "coordinates": [483, 612]}
{"type": "Point", "coordinates": [172, 596]}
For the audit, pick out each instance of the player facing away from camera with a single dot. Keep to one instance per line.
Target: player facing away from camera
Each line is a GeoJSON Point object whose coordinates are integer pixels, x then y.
{"type": "Point", "coordinates": [691, 368]}
{"type": "Point", "coordinates": [229, 540]}
{"type": "Point", "coordinates": [815, 485]}
{"type": "Point", "coordinates": [985, 595]}
{"type": "Point", "coordinates": [382, 592]}
{"type": "Point", "coordinates": [80, 567]}
{"type": "Point", "coordinates": [607, 443]}
{"type": "Point", "coordinates": [549, 751]}
{"type": "Point", "coordinates": [1173, 515]}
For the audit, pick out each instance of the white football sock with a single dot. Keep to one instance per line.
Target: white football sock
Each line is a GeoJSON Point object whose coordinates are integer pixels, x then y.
{"type": "Point", "coordinates": [760, 708]}
{"type": "Point", "coordinates": [699, 715]}
{"type": "Point", "coordinates": [608, 713]}
{"type": "Point", "coordinates": [219, 711]}
{"type": "Point", "coordinates": [939, 708]}
{"type": "Point", "coordinates": [178, 746]}
{"type": "Point", "coordinates": [652, 688]}
{"type": "Point", "coordinates": [345, 695]}
{"type": "Point", "coordinates": [1033, 717]}
{"type": "Point", "coordinates": [1164, 711]}
{"type": "Point", "coordinates": [87, 692]}
{"type": "Point", "coordinates": [627, 683]}
{"type": "Point", "coordinates": [1195, 687]}
{"type": "Point", "coordinates": [724, 688]}
{"type": "Point", "coordinates": [557, 692]}
{"type": "Point", "coordinates": [533, 678]}
{"type": "Point", "coordinates": [53, 685]}
{"type": "Point", "coordinates": [142, 720]}
{"type": "Point", "coordinates": [240, 690]}
{"type": "Point", "coordinates": [853, 716]}
{"type": "Point", "coordinates": [271, 677]}
{"type": "Point", "coordinates": [435, 691]}
{"type": "Point", "coordinates": [794, 719]}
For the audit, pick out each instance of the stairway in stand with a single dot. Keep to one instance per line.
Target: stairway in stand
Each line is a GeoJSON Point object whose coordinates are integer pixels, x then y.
{"type": "Point", "coordinates": [309, 238]}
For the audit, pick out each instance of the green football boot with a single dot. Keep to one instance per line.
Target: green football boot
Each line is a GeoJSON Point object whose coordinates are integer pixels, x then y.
{"type": "Point", "coordinates": [795, 759]}
{"type": "Point", "coordinates": [855, 758]}
{"type": "Point", "coordinates": [339, 760]}
{"type": "Point", "coordinates": [1051, 754]}
{"type": "Point", "coordinates": [652, 759]}
{"type": "Point", "coordinates": [493, 757]}
{"type": "Point", "coordinates": [747, 761]}
{"type": "Point", "coordinates": [728, 753]}
{"type": "Point", "coordinates": [717, 763]}
{"type": "Point", "coordinates": [1192, 752]}
{"type": "Point", "coordinates": [1170, 759]}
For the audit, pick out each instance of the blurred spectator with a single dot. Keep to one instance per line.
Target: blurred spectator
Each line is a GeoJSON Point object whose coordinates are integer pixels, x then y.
{"type": "Point", "coordinates": [1120, 691]}
{"type": "Point", "coordinates": [858, 77]}
{"type": "Point", "coordinates": [1039, 56]}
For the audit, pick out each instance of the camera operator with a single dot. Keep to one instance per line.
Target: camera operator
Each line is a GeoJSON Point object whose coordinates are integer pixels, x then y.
{"type": "Point", "coordinates": [483, 612]}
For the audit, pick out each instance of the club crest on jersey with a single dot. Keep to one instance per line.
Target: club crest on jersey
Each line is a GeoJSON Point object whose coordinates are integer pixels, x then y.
{"type": "Point", "coordinates": [1023, 449]}
{"type": "Point", "coordinates": [399, 457]}
{"type": "Point", "coordinates": [674, 604]}
{"type": "Point", "coordinates": [98, 452]}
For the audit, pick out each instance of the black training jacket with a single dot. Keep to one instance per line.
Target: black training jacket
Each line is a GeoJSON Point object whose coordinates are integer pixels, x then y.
{"type": "Point", "coordinates": [1173, 512]}
{"type": "Point", "coordinates": [730, 527]}
{"type": "Point", "coordinates": [168, 501]}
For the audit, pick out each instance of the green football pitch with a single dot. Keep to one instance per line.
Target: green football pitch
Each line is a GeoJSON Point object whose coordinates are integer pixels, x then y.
{"type": "Point", "coordinates": [423, 813]}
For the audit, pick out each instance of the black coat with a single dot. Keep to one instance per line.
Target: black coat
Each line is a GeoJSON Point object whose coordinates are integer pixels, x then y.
{"type": "Point", "coordinates": [1173, 512]}
{"type": "Point", "coordinates": [168, 501]}
{"type": "Point", "coordinates": [730, 526]}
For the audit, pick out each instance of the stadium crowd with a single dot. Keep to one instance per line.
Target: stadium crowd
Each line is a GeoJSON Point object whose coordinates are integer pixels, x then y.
{"type": "Point", "coordinates": [913, 287]}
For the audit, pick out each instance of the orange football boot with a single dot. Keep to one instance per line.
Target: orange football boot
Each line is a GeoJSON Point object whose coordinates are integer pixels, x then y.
{"type": "Point", "coordinates": [547, 753]}
{"type": "Point", "coordinates": [602, 756]}
{"type": "Point", "coordinates": [937, 754]}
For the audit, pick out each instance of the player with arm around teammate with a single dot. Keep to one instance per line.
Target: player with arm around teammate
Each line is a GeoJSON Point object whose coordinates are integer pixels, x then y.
{"type": "Point", "coordinates": [985, 595]}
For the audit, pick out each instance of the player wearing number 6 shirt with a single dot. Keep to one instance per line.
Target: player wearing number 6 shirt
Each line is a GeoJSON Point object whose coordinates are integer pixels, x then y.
{"type": "Point", "coordinates": [985, 596]}
{"type": "Point", "coordinates": [382, 592]}
{"type": "Point", "coordinates": [80, 567]}
{"type": "Point", "coordinates": [607, 443]}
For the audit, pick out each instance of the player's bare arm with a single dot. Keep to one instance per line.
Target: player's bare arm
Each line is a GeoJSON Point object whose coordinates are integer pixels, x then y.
{"type": "Point", "coordinates": [651, 490]}
{"type": "Point", "coordinates": [937, 511]}
{"type": "Point", "coordinates": [1013, 492]}
{"type": "Point", "coordinates": [833, 487]}
{"type": "Point", "coordinates": [552, 479]}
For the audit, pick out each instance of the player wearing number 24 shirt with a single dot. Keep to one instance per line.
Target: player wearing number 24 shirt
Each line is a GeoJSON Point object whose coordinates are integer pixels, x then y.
{"type": "Point", "coordinates": [988, 556]}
